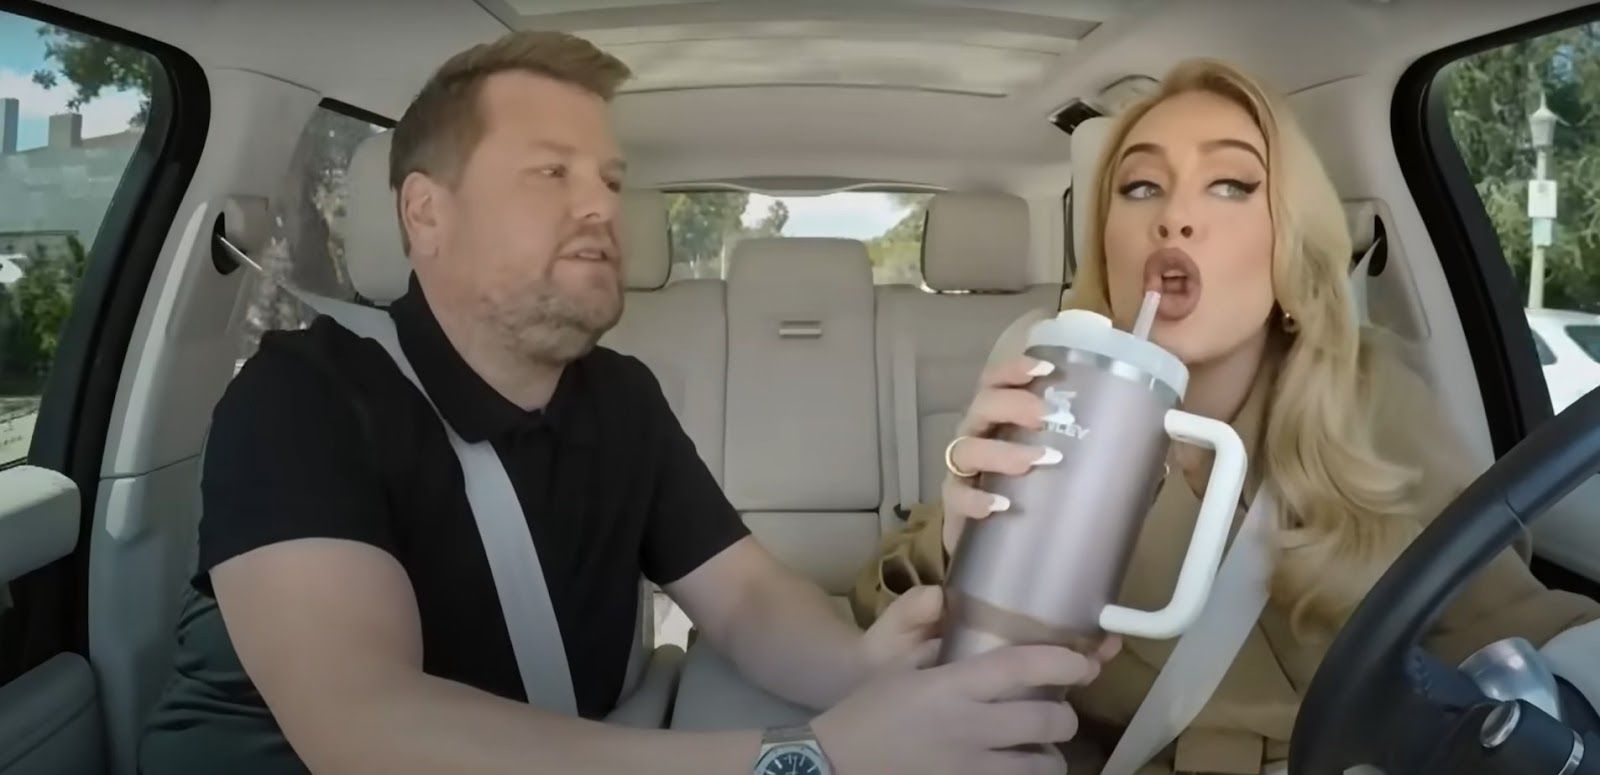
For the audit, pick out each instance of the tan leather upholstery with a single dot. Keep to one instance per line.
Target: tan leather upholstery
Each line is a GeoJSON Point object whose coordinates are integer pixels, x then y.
{"type": "Point", "coordinates": [802, 439]}
{"type": "Point", "coordinates": [976, 241]}
{"type": "Point", "coordinates": [802, 426]}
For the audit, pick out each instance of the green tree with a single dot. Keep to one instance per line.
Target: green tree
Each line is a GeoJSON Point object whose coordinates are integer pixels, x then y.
{"type": "Point", "coordinates": [41, 301]}
{"type": "Point", "coordinates": [1488, 98]}
{"type": "Point", "coordinates": [771, 224]}
{"type": "Point", "coordinates": [18, 351]}
{"type": "Point", "coordinates": [701, 225]}
{"type": "Point", "coordinates": [93, 65]}
{"type": "Point", "coordinates": [896, 254]}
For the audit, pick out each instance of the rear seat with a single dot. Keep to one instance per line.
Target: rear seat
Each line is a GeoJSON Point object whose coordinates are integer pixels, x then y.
{"type": "Point", "coordinates": [932, 347]}
{"type": "Point", "coordinates": [802, 439]}
{"type": "Point", "coordinates": [680, 330]}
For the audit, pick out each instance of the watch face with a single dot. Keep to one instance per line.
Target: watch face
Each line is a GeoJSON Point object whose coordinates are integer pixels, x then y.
{"type": "Point", "coordinates": [791, 760]}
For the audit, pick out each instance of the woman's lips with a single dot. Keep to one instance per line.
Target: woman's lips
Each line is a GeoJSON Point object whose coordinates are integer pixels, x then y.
{"type": "Point", "coordinates": [1173, 274]}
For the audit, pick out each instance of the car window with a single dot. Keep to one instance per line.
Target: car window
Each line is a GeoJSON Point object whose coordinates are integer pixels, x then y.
{"type": "Point", "coordinates": [86, 126]}
{"type": "Point", "coordinates": [705, 226]}
{"type": "Point", "coordinates": [309, 208]}
{"type": "Point", "coordinates": [1588, 338]}
{"type": "Point", "coordinates": [1520, 115]}
{"type": "Point", "coordinates": [67, 132]}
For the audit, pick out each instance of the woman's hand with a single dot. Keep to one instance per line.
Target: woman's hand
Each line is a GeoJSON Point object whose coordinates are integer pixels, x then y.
{"type": "Point", "coordinates": [1003, 399]}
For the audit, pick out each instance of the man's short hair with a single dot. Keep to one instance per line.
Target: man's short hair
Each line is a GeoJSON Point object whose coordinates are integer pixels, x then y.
{"type": "Point", "coordinates": [443, 124]}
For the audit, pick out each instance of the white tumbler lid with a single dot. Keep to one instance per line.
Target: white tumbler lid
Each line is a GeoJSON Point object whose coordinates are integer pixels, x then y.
{"type": "Point", "coordinates": [1080, 329]}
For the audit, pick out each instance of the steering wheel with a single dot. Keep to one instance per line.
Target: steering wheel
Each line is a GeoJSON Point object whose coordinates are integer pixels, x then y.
{"type": "Point", "coordinates": [1375, 683]}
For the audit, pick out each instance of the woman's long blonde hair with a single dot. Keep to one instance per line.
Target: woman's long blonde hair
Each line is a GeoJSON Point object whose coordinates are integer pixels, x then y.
{"type": "Point", "coordinates": [1344, 515]}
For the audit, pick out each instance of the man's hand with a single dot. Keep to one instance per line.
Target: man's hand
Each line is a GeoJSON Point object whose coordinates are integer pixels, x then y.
{"type": "Point", "coordinates": [903, 628]}
{"type": "Point", "coordinates": [953, 720]}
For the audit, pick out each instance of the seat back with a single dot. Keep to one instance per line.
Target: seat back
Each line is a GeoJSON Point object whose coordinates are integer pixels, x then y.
{"type": "Point", "coordinates": [802, 429]}
{"type": "Point", "coordinates": [932, 346]}
{"type": "Point", "coordinates": [679, 330]}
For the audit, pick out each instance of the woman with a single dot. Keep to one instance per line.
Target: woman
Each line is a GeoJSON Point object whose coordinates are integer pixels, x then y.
{"type": "Point", "coordinates": [1212, 194]}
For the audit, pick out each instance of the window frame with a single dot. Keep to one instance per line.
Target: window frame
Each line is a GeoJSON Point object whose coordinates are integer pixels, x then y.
{"type": "Point", "coordinates": [357, 112]}
{"type": "Point", "coordinates": [1498, 336]}
{"type": "Point", "coordinates": [51, 603]}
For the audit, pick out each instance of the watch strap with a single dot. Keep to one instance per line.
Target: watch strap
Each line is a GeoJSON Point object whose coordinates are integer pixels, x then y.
{"type": "Point", "coordinates": [800, 733]}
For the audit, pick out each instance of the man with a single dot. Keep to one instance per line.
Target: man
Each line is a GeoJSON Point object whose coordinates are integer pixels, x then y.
{"type": "Point", "coordinates": [356, 626]}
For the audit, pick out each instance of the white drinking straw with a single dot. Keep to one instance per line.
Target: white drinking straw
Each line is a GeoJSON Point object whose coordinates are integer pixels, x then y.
{"type": "Point", "coordinates": [1147, 314]}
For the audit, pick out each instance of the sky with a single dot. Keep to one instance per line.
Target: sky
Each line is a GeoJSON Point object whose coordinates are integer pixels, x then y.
{"type": "Point", "coordinates": [848, 214]}
{"type": "Point", "coordinates": [21, 53]}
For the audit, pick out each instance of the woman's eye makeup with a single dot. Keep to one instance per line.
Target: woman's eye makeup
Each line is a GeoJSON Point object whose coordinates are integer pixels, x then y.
{"type": "Point", "coordinates": [1139, 189]}
{"type": "Point", "coordinates": [1233, 188]}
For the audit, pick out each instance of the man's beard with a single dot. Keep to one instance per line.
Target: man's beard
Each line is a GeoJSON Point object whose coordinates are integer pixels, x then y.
{"type": "Point", "coordinates": [547, 324]}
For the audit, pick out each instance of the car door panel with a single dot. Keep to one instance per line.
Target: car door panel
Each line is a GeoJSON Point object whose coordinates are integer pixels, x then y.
{"type": "Point", "coordinates": [38, 519]}
{"type": "Point", "coordinates": [50, 721]}
{"type": "Point", "coordinates": [50, 715]}
{"type": "Point", "coordinates": [145, 530]}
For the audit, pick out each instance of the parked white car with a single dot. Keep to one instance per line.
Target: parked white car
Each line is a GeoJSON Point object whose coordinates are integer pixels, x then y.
{"type": "Point", "coordinates": [1569, 350]}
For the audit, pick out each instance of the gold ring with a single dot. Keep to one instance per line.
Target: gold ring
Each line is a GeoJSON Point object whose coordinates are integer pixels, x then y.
{"type": "Point", "coordinates": [949, 460]}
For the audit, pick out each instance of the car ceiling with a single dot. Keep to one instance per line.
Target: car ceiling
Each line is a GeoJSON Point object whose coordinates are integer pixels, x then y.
{"type": "Point", "coordinates": [910, 79]}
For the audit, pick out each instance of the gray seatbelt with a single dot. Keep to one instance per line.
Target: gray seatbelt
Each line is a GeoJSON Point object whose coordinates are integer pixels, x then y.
{"type": "Point", "coordinates": [513, 561]}
{"type": "Point", "coordinates": [514, 565]}
{"type": "Point", "coordinates": [1204, 653]}
{"type": "Point", "coordinates": [908, 431]}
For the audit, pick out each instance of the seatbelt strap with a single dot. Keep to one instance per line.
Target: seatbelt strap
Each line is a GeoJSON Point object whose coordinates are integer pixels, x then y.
{"type": "Point", "coordinates": [908, 431]}
{"type": "Point", "coordinates": [1358, 283]}
{"type": "Point", "coordinates": [513, 561]}
{"type": "Point", "coordinates": [1204, 653]}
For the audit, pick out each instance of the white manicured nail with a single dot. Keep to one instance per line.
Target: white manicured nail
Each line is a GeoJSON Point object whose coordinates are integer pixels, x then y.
{"type": "Point", "coordinates": [1041, 369]}
{"type": "Point", "coordinates": [1050, 457]}
{"type": "Point", "coordinates": [1001, 503]}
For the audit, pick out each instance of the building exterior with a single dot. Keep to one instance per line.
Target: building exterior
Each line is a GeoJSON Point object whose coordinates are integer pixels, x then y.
{"type": "Point", "coordinates": [61, 189]}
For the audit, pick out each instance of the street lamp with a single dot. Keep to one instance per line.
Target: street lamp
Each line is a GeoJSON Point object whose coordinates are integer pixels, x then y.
{"type": "Point", "coordinates": [1541, 198]}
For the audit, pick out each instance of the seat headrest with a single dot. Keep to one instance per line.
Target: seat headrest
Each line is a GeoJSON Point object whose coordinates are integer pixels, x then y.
{"type": "Point", "coordinates": [1088, 141]}
{"type": "Point", "coordinates": [373, 255]}
{"type": "Point", "coordinates": [976, 241]}
{"type": "Point", "coordinates": [646, 248]}
{"type": "Point", "coordinates": [379, 268]}
{"type": "Point", "coordinates": [808, 262]}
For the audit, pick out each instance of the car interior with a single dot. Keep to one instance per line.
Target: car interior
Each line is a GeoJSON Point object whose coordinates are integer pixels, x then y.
{"type": "Point", "coordinates": [819, 389]}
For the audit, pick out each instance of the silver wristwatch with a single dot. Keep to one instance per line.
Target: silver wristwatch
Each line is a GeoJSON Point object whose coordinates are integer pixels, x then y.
{"type": "Point", "coordinates": [791, 751]}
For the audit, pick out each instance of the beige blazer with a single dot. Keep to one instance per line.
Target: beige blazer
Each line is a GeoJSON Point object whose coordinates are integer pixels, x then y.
{"type": "Point", "coordinates": [1247, 723]}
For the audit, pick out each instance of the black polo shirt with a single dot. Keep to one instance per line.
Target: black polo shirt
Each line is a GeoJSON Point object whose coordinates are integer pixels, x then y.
{"type": "Point", "coordinates": [320, 435]}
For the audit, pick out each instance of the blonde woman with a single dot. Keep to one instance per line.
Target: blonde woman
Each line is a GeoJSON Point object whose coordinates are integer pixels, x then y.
{"type": "Point", "coordinates": [1212, 194]}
